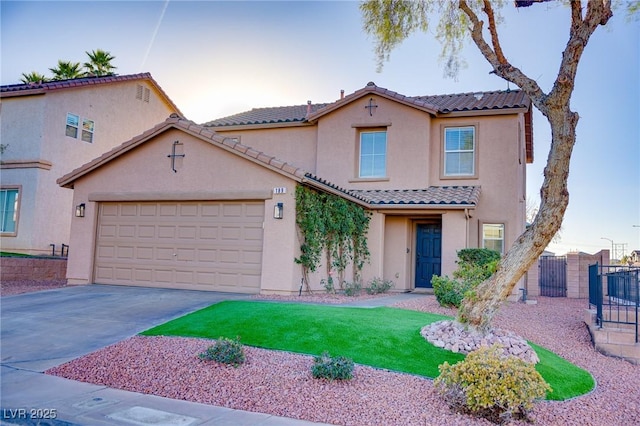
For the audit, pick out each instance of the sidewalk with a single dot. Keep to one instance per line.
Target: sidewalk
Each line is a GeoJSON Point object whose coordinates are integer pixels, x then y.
{"type": "Point", "coordinates": [45, 329]}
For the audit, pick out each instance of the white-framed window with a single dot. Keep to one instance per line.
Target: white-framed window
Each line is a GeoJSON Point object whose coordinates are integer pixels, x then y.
{"type": "Point", "coordinates": [73, 127]}
{"type": "Point", "coordinates": [493, 236]}
{"type": "Point", "coordinates": [373, 154]}
{"type": "Point", "coordinates": [73, 122]}
{"type": "Point", "coordinates": [9, 198]}
{"type": "Point", "coordinates": [460, 151]}
{"type": "Point", "coordinates": [87, 130]}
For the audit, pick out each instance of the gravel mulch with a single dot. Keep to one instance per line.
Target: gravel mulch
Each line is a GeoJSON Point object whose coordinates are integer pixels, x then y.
{"type": "Point", "coordinates": [280, 383]}
{"type": "Point", "coordinates": [10, 288]}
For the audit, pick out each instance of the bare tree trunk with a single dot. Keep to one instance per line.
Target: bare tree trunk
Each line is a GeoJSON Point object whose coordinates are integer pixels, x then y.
{"type": "Point", "coordinates": [478, 309]}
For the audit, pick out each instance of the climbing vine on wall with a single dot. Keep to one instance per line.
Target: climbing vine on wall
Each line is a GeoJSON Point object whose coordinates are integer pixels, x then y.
{"type": "Point", "coordinates": [334, 226]}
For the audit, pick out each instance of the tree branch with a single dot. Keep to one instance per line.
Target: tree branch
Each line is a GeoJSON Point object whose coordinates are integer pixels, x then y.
{"type": "Point", "coordinates": [493, 30]}
{"type": "Point", "coordinates": [501, 66]}
{"type": "Point", "coordinates": [598, 13]}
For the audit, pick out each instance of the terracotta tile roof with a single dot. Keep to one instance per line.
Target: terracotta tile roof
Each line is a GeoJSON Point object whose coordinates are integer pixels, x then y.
{"type": "Point", "coordinates": [433, 195]}
{"type": "Point", "coordinates": [478, 101]}
{"type": "Point", "coordinates": [285, 114]}
{"type": "Point", "coordinates": [445, 196]}
{"type": "Point", "coordinates": [435, 104]}
{"type": "Point", "coordinates": [23, 89]}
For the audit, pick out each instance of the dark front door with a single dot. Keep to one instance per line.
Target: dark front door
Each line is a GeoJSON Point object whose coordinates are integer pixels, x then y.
{"type": "Point", "coordinates": [428, 253]}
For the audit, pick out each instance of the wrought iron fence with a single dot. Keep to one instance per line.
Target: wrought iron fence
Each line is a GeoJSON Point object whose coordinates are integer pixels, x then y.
{"type": "Point", "coordinates": [614, 293]}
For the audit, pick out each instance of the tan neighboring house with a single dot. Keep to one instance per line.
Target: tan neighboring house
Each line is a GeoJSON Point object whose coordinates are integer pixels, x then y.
{"type": "Point", "coordinates": [193, 206]}
{"type": "Point", "coordinates": [50, 128]}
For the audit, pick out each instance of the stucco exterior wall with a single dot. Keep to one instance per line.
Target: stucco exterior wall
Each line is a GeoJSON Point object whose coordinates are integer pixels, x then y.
{"type": "Point", "coordinates": [407, 145]}
{"type": "Point", "coordinates": [206, 172]}
{"type": "Point", "coordinates": [398, 249]}
{"type": "Point", "coordinates": [23, 137]}
{"type": "Point", "coordinates": [294, 145]}
{"type": "Point", "coordinates": [501, 167]}
{"type": "Point", "coordinates": [34, 128]}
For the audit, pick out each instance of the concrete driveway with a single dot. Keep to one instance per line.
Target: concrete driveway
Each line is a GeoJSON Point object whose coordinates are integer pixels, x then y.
{"type": "Point", "coordinates": [45, 329]}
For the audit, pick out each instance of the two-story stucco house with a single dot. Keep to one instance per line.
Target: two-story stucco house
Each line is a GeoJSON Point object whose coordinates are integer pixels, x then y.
{"type": "Point", "coordinates": [50, 128]}
{"type": "Point", "coordinates": [213, 206]}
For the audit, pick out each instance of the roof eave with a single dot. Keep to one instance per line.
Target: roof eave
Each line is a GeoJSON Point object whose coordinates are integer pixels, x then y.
{"type": "Point", "coordinates": [483, 112]}
{"type": "Point", "coordinates": [258, 126]}
{"type": "Point", "coordinates": [421, 206]}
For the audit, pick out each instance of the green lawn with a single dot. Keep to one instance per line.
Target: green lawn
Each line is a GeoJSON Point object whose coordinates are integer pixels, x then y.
{"type": "Point", "coordinates": [384, 337]}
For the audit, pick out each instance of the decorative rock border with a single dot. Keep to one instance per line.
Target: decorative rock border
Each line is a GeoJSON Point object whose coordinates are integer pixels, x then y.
{"type": "Point", "coordinates": [452, 336]}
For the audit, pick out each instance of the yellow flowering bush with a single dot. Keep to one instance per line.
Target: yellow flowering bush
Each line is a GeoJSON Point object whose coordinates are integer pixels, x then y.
{"type": "Point", "coordinates": [490, 385]}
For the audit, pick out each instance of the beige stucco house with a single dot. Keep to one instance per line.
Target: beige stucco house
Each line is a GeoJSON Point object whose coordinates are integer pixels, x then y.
{"type": "Point", "coordinates": [50, 128]}
{"type": "Point", "coordinates": [192, 206]}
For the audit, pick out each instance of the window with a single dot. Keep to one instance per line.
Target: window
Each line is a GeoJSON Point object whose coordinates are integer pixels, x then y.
{"type": "Point", "coordinates": [459, 151]}
{"type": "Point", "coordinates": [72, 125]}
{"type": "Point", "coordinates": [373, 154]}
{"type": "Point", "coordinates": [493, 237]}
{"type": "Point", "coordinates": [87, 130]}
{"type": "Point", "coordinates": [8, 210]}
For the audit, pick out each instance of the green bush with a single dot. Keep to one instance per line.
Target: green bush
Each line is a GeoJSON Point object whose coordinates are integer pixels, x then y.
{"type": "Point", "coordinates": [378, 285]}
{"type": "Point", "coordinates": [333, 368]}
{"type": "Point", "coordinates": [449, 292]}
{"type": "Point", "coordinates": [328, 285]}
{"type": "Point", "coordinates": [478, 256]}
{"type": "Point", "coordinates": [352, 289]}
{"type": "Point", "coordinates": [225, 351]}
{"type": "Point", "coordinates": [489, 385]}
{"type": "Point", "coordinates": [474, 266]}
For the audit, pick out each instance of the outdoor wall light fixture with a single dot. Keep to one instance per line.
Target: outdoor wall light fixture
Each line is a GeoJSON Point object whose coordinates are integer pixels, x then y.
{"type": "Point", "coordinates": [278, 211]}
{"type": "Point", "coordinates": [80, 210]}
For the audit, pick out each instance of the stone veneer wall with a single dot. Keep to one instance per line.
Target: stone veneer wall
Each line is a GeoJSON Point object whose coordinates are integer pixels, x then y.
{"type": "Point", "coordinates": [29, 268]}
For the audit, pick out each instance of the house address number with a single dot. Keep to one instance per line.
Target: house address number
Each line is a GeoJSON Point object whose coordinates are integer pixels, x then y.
{"type": "Point", "coordinates": [280, 190]}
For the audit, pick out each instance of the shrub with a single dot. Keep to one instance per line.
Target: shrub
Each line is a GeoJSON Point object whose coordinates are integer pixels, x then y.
{"type": "Point", "coordinates": [333, 368]}
{"type": "Point", "coordinates": [478, 256]}
{"type": "Point", "coordinates": [490, 385]}
{"type": "Point", "coordinates": [474, 266]}
{"type": "Point", "coordinates": [378, 285]}
{"type": "Point", "coordinates": [449, 292]}
{"type": "Point", "coordinates": [352, 289]}
{"type": "Point", "coordinates": [225, 351]}
{"type": "Point", "coordinates": [328, 285]}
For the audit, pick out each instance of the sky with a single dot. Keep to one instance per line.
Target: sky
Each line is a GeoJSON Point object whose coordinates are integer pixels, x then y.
{"type": "Point", "coordinates": [216, 58]}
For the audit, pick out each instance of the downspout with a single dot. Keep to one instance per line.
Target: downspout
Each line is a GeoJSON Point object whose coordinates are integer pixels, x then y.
{"type": "Point", "coordinates": [467, 216]}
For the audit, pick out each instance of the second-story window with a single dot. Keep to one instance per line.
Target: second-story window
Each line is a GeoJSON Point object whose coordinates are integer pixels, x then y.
{"type": "Point", "coordinates": [87, 130]}
{"type": "Point", "coordinates": [73, 128]}
{"type": "Point", "coordinates": [373, 154]}
{"type": "Point", "coordinates": [459, 151]}
{"type": "Point", "coordinates": [73, 121]}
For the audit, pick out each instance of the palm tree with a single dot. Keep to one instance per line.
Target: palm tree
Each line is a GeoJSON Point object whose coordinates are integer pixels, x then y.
{"type": "Point", "coordinates": [66, 70]}
{"type": "Point", "coordinates": [33, 77]}
{"type": "Point", "coordinates": [99, 63]}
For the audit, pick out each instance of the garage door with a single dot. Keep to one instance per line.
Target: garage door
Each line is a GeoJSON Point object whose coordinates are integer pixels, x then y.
{"type": "Point", "coordinates": [188, 245]}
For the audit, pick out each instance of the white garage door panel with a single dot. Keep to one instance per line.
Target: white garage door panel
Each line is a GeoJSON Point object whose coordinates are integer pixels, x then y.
{"type": "Point", "coordinates": [189, 245]}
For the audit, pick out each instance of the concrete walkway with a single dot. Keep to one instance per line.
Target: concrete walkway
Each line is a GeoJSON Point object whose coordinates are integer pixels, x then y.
{"type": "Point", "coordinates": [45, 329]}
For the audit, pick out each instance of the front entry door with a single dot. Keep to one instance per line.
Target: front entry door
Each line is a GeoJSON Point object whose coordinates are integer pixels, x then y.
{"type": "Point", "coordinates": [428, 253]}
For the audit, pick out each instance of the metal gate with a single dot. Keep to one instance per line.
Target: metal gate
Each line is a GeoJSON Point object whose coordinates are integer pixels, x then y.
{"type": "Point", "coordinates": [553, 276]}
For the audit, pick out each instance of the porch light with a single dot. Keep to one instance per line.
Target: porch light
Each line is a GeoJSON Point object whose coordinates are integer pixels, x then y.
{"type": "Point", "coordinates": [80, 210]}
{"type": "Point", "coordinates": [278, 211]}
